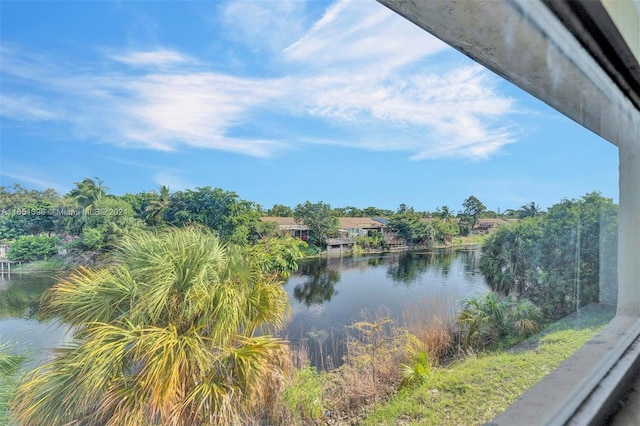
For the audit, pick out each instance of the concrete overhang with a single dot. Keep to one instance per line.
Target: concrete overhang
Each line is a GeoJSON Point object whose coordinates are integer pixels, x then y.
{"type": "Point", "coordinates": [581, 58]}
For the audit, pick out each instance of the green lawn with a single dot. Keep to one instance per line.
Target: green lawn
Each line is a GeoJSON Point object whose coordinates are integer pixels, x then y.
{"type": "Point", "coordinates": [477, 388]}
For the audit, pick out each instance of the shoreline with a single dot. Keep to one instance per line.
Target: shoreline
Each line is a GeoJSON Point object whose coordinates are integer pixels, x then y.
{"type": "Point", "coordinates": [465, 243]}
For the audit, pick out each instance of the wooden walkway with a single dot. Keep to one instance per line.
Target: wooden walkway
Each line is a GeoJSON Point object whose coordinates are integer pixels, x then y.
{"type": "Point", "coordinates": [5, 265]}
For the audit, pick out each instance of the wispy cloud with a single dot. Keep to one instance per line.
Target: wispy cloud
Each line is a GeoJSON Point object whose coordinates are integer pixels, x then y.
{"type": "Point", "coordinates": [157, 58]}
{"type": "Point", "coordinates": [262, 25]}
{"type": "Point", "coordinates": [369, 77]}
{"type": "Point", "coordinates": [360, 70]}
{"type": "Point", "coordinates": [25, 107]}
{"type": "Point", "coordinates": [362, 36]}
{"type": "Point", "coordinates": [197, 109]}
{"type": "Point", "coordinates": [32, 176]}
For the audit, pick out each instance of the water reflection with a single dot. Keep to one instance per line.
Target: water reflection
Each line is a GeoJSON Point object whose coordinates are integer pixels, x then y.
{"type": "Point", "coordinates": [325, 295]}
{"type": "Point", "coordinates": [470, 262]}
{"type": "Point", "coordinates": [20, 295]}
{"type": "Point", "coordinates": [22, 326]}
{"type": "Point", "coordinates": [319, 286]}
{"type": "Point", "coordinates": [412, 265]}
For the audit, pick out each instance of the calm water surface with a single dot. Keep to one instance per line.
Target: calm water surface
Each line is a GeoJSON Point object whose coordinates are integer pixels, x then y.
{"type": "Point", "coordinates": [329, 293]}
{"type": "Point", "coordinates": [21, 326]}
{"type": "Point", "coordinates": [325, 295]}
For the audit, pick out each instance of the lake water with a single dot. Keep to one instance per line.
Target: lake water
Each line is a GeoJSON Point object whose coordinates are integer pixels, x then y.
{"type": "Point", "coordinates": [326, 294]}
{"type": "Point", "coordinates": [21, 327]}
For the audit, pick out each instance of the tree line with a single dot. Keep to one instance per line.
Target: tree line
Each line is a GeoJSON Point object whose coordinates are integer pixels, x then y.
{"type": "Point", "coordinates": [90, 218]}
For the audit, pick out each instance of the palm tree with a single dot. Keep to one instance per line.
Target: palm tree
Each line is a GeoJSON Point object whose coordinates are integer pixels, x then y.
{"type": "Point", "coordinates": [444, 213]}
{"type": "Point", "coordinates": [483, 318]}
{"type": "Point", "coordinates": [175, 330]}
{"type": "Point", "coordinates": [529, 210]}
{"type": "Point", "coordinates": [154, 211]}
{"type": "Point", "coordinates": [490, 317]}
{"type": "Point", "coordinates": [87, 192]}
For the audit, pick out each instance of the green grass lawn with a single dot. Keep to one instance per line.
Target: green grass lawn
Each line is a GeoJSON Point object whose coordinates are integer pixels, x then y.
{"type": "Point", "coordinates": [479, 387]}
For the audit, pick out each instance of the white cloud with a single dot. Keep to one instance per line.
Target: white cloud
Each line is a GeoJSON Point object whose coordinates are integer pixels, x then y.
{"type": "Point", "coordinates": [196, 109]}
{"type": "Point", "coordinates": [366, 57]}
{"type": "Point", "coordinates": [132, 163]}
{"type": "Point", "coordinates": [360, 69]}
{"type": "Point", "coordinates": [160, 110]}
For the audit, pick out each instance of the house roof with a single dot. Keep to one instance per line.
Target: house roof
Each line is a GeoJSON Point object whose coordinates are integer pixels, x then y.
{"type": "Point", "coordinates": [490, 222]}
{"type": "Point", "coordinates": [285, 222]}
{"type": "Point", "coordinates": [359, 223]}
{"type": "Point", "coordinates": [344, 222]}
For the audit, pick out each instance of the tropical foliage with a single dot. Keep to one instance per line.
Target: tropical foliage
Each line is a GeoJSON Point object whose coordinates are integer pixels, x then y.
{"type": "Point", "coordinates": [154, 211]}
{"type": "Point", "coordinates": [320, 219]}
{"type": "Point", "coordinates": [416, 371]}
{"type": "Point", "coordinates": [94, 219]}
{"type": "Point", "coordinates": [87, 192]}
{"type": "Point", "coordinates": [507, 255]}
{"type": "Point", "coordinates": [410, 226]}
{"type": "Point", "coordinates": [486, 319]}
{"type": "Point", "coordinates": [277, 255]}
{"type": "Point", "coordinates": [175, 330]}
{"type": "Point", "coordinates": [10, 366]}
{"type": "Point", "coordinates": [231, 217]}
{"type": "Point", "coordinates": [561, 260]}
{"type": "Point", "coordinates": [303, 396]}
{"type": "Point", "coordinates": [473, 209]}
{"type": "Point", "coordinates": [32, 247]}
{"type": "Point", "coordinates": [375, 240]}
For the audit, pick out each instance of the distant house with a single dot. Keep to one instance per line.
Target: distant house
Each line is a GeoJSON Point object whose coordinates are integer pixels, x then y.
{"type": "Point", "coordinates": [350, 228]}
{"type": "Point", "coordinates": [391, 237]}
{"type": "Point", "coordinates": [485, 225]}
{"type": "Point", "coordinates": [359, 226]}
{"type": "Point", "coordinates": [289, 224]}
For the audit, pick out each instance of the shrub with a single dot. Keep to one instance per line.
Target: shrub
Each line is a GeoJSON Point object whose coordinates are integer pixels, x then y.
{"type": "Point", "coordinates": [417, 371]}
{"type": "Point", "coordinates": [33, 247]}
{"type": "Point", "coordinates": [303, 396]}
{"type": "Point", "coordinates": [488, 318]}
{"type": "Point", "coordinates": [371, 370]}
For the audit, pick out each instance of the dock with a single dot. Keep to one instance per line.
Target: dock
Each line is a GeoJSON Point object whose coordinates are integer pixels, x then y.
{"type": "Point", "coordinates": [5, 265]}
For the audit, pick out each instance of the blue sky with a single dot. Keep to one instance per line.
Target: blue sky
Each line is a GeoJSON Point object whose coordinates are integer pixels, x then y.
{"type": "Point", "coordinates": [281, 102]}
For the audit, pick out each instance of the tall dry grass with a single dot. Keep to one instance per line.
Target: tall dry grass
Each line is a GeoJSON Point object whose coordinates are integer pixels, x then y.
{"type": "Point", "coordinates": [371, 371]}
{"type": "Point", "coordinates": [376, 348]}
{"type": "Point", "coordinates": [433, 321]}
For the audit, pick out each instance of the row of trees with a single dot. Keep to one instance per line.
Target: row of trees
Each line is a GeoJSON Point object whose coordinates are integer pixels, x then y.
{"type": "Point", "coordinates": [470, 207]}
{"type": "Point", "coordinates": [561, 260]}
{"type": "Point", "coordinates": [88, 211]}
{"type": "Point", "coordinates": [99, 218]}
